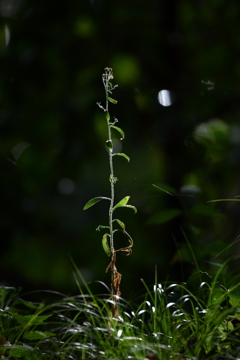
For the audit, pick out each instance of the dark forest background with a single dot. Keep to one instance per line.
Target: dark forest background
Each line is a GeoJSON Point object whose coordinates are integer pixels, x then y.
{"type": "Point", "coordinates": [52, 148]}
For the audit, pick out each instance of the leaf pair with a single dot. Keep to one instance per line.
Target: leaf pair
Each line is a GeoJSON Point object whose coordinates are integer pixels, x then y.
{"type": "Point", "coordinates": [122, 203]}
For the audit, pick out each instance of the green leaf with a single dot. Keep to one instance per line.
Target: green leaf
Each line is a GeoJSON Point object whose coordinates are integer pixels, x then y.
{"type": "Point", "coordinates": [164, 216]}
{"type": "Point", "coordinates": [234, 294]}
{"type": "Point", "coordinates": [30, 320]}
{"type": "Point", "coordinates": [107, 115]}
{"type": "Point", "coordinates": [120, 223]}
{"type": "Point", "coordinates": [94, 201]}
{"type": "Point", "coordinates": [105, 245]}
{"type": "Point", "coordinates": [216, 296]}
{"type": "Point", "coordinates": [109, 145]}
{"type": "Point", "coordinates": [122, 154]}
{"type": "Point", "coordinates": [31, 305]}
{"type": "Point", "coordinates": [25, 352]}
{"type": "Point", "coordinates": [101, 227]}
{"type": "Point", "coordinates": [123, 202]}
{"type": "Point", "coordinates": [119, 130]}
{"type": "Point", "coordinates": [37, 335]}
{"type": "Point", "coordinates": [21, 351]}
{"type": "Point", "coordinates": [234, 303]}
{"type": "Point", "coordinates": [112, 100]}
{"type": "Point", "coordinates": [131, 207]}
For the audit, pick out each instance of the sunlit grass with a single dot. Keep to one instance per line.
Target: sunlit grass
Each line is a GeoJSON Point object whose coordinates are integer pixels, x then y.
{"type": "Point", "coordinates": [194, 320]}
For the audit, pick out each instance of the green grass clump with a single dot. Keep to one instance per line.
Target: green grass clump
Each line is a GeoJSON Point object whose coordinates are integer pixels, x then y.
{"type": "Point", "coordinates": [199, 319]}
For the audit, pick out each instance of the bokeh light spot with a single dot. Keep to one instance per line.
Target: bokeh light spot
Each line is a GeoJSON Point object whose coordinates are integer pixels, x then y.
{"type": "Point", "coordinates": [165, 97]}
{"type": "Point", "coordinates": [7, 35]}
{"type": "Point", "coordinates": [66, 186]}
{"type": "Point", "coordinates": [18, 149]}
{"type": "Point", "coordinates": [126, 69]}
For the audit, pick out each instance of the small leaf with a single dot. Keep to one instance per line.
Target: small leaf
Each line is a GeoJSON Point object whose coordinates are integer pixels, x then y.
{"type": "Point", "coordinates": [109, 145]}
{"type": "Point", "coordinates": [101, 227]}
{"type": "Point", "coordinates": [123, 202]}
{"type": "Point", "coordinates": [105, 245]}
{"type": "Point", "coordinates": [131, 207]}
{"type": "Point", "coordinates": [107, 115]}
{"type": "Point", "coordinates": [29, 320]}
{"type": "Point", "coordinates": [112, 100]}
{"type": "Point", "coordinates": [124, 155]}
{"type": "Point", "coordinates": [31, 305]}
{"type": "Point", "coordinates": [234, 294]}
{"type": "Point", "coordinates": [120, 223]}
{"type": "Point", "coordinates": [126, 249]}
{"type": "Point", "coordinates": [164, 216]}
{"type": "Point", "coordinates": [119, 130]}
{"type": "Point", "coordinates": [94, 201]}
{"type": "Point", "coordinates": [130, 241]}
{"type": "Point", "coordinates": [37, 335]}
{"type": "Point", "coordinates": [19, 351]}
{"type": "Point", "coordinates": [217, 296]}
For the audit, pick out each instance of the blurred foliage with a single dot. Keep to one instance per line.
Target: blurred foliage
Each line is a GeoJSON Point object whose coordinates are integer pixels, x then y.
{"type": "Point", "coordinates": [52, 147]}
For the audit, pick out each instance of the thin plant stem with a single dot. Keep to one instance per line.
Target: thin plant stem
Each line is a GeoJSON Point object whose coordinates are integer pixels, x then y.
{"type": "Point", "coordinates": [107, 240]}
{"type": "Point", "coordinates": [107, 76]}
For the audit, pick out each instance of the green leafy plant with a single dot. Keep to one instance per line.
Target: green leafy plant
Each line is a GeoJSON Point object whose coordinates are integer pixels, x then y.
{"type": "Point", "coordinates": [108, 238]}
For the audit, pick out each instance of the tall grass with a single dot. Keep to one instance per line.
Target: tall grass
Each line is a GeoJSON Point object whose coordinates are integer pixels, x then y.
{"type": "Point", "coordinates": [199, 319]}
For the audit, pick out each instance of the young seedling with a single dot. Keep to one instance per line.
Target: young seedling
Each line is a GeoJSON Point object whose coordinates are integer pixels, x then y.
{"type": "Point", "coordinates": [108, 238]}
